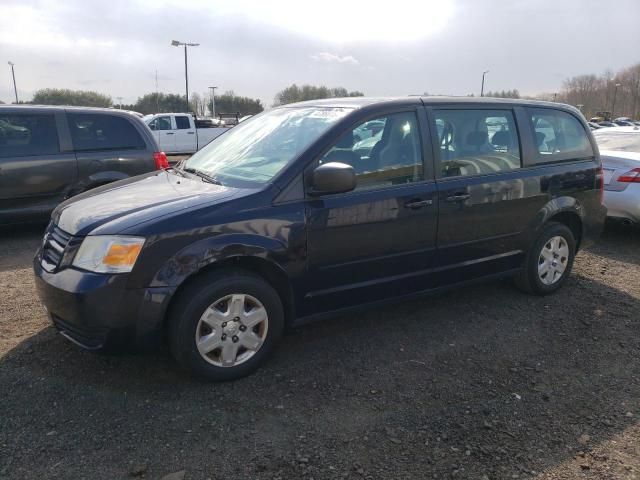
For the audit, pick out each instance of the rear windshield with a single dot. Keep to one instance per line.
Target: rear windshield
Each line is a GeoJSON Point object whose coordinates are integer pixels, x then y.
{"type": "Point", "coordinates": [618, 141]}
{"type": "Point", "coordinates": [255, 151]}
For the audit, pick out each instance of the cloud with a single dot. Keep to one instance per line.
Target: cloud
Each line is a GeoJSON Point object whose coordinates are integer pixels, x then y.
{"type": "Point", "coordinates": [333, 58]}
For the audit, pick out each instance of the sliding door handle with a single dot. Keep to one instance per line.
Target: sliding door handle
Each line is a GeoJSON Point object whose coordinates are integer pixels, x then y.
{"type": "Point", "coordinates": [459, 197]}
{"type": "Point", "coordinates": [417, 203]}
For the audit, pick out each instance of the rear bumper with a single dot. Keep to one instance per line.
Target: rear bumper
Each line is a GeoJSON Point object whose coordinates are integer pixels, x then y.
{"type": "Point", "coordinates": [97, 310]}
{"type": "Point", "coordinates": [624, 205]}
{"type": "Point", "coordinates": [593, 225]}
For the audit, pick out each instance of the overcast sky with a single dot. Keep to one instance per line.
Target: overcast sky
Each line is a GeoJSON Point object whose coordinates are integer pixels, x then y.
{"type": "Point", "coordinates": [257, 47]}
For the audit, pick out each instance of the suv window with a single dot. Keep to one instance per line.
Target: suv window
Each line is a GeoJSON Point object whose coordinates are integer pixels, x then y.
{"type": "Point", "coordinates": [182, 123]}
{"type": "Point", "coordinates": [558, 135]}
{"type": "Point", "coordinates": [24, 135]}
{"type": "Point", "coordinates": [161, 123]}
{"type": "Point", "coordinates": [103, 132]}
{"type": "Point", "coordinates": [476, 142]}
{"type": "Point", "coordinates": [392, 155]}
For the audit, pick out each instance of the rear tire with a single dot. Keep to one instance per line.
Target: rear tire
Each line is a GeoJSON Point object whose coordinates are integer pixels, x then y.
{"type": "Point", "coordinates": [224, 324]}
{"type": "Point", "coordinates": [549, 261]}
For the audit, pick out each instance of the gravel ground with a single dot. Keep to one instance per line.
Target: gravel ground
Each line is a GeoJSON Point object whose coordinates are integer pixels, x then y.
{"type": "Point", "coordinates": [480, 383]}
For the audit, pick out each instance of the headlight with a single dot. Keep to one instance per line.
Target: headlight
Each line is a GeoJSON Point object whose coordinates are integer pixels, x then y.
{"type": "Point", "coordinates": [108, 253]}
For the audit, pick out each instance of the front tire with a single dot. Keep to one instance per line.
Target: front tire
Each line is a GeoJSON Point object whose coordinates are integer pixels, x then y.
{"type": "Point", "coordinates": [224, 324]}
{"type": "Point", "coordinates": [549, 261]}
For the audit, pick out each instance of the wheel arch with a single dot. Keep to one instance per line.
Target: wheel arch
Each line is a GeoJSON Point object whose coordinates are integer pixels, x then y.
{"type": "Point", "coordinates": [566, 210]}
{"type": "Point", "coordinates": [249, 258]}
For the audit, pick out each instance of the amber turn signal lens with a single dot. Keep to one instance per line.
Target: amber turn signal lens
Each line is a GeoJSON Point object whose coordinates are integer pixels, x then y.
{"type": "Point", "coordinates": [119, 255]}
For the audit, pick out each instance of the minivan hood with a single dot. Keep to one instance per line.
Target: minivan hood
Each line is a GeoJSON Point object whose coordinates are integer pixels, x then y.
{"type": "Point", "coordinates": [120, 205]}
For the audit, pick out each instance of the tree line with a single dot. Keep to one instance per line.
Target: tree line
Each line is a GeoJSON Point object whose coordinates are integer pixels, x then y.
{"type": "Point", "coordinates": [615, 92]}
{"type": "Point", "coordinates": [295, 93]}
{"type": "Point", "coordinates": [200, 104]}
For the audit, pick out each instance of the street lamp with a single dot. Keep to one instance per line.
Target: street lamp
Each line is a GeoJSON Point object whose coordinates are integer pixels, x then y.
{"type": "Point", "coordinates": [119, 102]}
{"type": "Point", "coordinates": [482, 88]}
{"type": "Point", "coordinates": [176, 43]}
{"type": "Point", "coordinates": [13, 74]}
{"type": "Point", "coordinates": [613, 107]}
{"type": "Point", "coordinates": [213, 102]}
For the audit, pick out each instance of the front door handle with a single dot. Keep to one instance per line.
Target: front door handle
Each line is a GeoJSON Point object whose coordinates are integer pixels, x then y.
{"type": "Point", "coordinates": [459, 197]}
{"type": "Point", "coordinates": [417, 203]}
{"type": "Point", "coordinates": [169, 133]}
{"type": "Point", "coordinates": [191, 133]}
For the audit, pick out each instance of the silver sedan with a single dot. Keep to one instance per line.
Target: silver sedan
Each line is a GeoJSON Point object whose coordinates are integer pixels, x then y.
{"type": "Point", "coordinates": [620, 151]}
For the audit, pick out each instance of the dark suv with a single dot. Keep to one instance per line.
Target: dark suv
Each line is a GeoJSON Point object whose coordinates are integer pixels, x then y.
{"type": "Point", "coordinates": [48, 154]}
{"type": "Point", "coordinates": [287, 217]}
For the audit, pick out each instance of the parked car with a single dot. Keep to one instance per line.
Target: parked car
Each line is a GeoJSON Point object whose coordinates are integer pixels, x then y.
{"type": "Point", "coordinates": [624, 123]}
{"type": "Point", "coordinates": [594, 126]}
{"type": "Point", "coordinates": [49, 154]}
{"type": "Point", "coordinates": [229, 119]}
{"type": "Point", "coordinates": [620, 150]}
{"type": "Point", "coordinates": [178, 132]}
{"type": "Point", "coordinates": [280, 221]}
{"type": "Point", "coordinates": [607, 124]}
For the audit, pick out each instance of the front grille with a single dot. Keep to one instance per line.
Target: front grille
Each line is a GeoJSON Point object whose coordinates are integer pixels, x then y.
{"type": "Point", "coordinates": [55, 242]}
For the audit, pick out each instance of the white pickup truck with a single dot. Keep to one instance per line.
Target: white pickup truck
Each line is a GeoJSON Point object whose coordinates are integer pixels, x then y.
{"type": "Point", "coordinates": [177, 132]}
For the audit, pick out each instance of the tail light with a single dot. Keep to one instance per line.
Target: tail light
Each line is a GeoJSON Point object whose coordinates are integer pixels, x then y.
{"type": "Point", "coordinates": [161, 160]}
{"type": "Point", "coordinates": [600, 184]}
{"type": "Point", "coordinates": [632, 176]}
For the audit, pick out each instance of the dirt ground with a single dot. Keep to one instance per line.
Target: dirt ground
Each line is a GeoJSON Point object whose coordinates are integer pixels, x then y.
{"type": "Point", "coordinates": [479, 383]}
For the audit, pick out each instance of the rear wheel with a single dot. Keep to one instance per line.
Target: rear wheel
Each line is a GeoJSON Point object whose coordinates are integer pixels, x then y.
{"type": "Point", "coordinates": [224, 325]}
{"type": "Point", "coordinates": [549, 261]}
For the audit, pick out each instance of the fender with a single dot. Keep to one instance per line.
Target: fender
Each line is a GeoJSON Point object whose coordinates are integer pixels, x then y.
{"type": "Point", "coordinates": [203, 253]}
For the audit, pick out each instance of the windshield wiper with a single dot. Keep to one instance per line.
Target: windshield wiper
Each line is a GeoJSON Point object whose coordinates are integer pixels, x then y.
{"type": "Point", "coordinates": [202, 175]}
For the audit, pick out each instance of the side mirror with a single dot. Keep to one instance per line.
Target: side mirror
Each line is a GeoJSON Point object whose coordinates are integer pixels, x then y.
{"type": "Point", "coordinates": [333, 177]}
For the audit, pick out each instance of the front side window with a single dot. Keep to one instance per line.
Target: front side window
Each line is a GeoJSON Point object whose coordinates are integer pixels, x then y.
{"type": "Point", "coordinates": [103, 132]}
{"type": "Point", "coordinates": [160, 123]}
{"type": "Point", "coordinates": [476, 142]}
{"type": "Point", "coordinates": [558, 135]}
{"type": "Point", "coordinates": [182, 123]}
{"type": "Point", "coordinates": [391, 154]}
{"type": "Point", "coordinates": [254, 152]}
{"type": "Point", "coordinates": [24, 135]}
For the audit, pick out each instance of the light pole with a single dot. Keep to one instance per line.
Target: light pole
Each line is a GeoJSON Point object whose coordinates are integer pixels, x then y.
{"type": "Point", "coordinates": [613, 107]}
{"type": "Point", "coordinates": [482, 88]}
{"type": "Point", "coordinates": [13, 74]}
{"type": "Point", "coordinates": [119, 102]}
{"type": "Point", "coordinates": [213, 102]}
{"type": "Point", "coordinates": [176, 43]}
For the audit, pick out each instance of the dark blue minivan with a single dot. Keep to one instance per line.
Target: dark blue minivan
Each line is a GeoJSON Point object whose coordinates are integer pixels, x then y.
{"type": "Point", "coordinates": [317, 207]}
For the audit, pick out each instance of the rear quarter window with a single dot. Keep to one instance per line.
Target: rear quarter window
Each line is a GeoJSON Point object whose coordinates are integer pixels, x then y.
{"type": "Point", "coordinates": [103, 132]}
{"type": "Point", "coordinates": [24, 135]}
{"type": "Point", "coordinates": [183, 123]}
{"type": "Point", "coordinates": [558, 136]}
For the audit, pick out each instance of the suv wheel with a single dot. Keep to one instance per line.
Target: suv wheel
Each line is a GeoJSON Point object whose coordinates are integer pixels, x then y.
{"type": "Point", "coordinates": [224, 325]}
{"type": "Point", "coordinates": [549, 261]}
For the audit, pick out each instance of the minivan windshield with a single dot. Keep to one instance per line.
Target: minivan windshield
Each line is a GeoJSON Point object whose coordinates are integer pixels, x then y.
{"type": "Point", "coordinates": [620, 141]}
{"type": "Point", "coordinates": [252, 153]}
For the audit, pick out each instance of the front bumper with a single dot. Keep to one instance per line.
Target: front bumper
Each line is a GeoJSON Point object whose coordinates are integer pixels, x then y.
{"type": "Point", "coordinates": [98, 310]}
{"type": "Point", "coordinates": [625, 204]}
